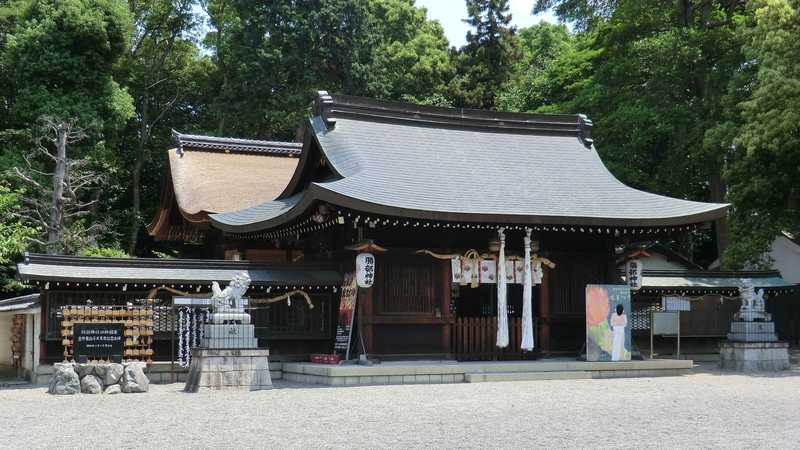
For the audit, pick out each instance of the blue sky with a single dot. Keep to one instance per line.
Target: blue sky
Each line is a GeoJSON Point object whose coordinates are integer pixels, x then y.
{"type": "Point", "coordinates": [450, 13]}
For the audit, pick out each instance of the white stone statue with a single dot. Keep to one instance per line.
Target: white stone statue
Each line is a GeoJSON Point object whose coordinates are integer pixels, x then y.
{"type": "Point", "coordinates": [753, 307]}
{"type": "Point", "coordinates": [230, 299]}
{"type": "Point", "coordinates": [228, 304]}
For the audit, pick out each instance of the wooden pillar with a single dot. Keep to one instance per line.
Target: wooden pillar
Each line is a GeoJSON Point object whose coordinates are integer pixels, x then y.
{"type": "Point", "coordinates": [544, 311]}
{"type": "Point", "coordinates": [44, 307]}
{"type": "Point", "coordinates": [365, 314]}
{"type": "Point", "coordinates": [447, 318]}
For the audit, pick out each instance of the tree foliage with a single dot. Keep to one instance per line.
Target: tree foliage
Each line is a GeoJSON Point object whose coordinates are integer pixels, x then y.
{"type": "Point", "coordinates": [484, 64]}
{"type": "Point", "coordinates": [14, 234]}
{"type": "Point", "coordinates": [765, 167]}
{"type": "Point", "coordinates": [61, 55]}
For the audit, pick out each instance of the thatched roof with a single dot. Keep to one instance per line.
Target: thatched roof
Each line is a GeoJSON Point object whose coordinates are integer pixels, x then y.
{"type": "Point", "coordinates": [215, 182]}
{"type": "Point", "coordinates": [216, 175]}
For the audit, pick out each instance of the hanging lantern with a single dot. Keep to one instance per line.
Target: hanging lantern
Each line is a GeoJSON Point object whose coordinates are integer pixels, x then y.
{"type": "Point", "coordinates": [365, 270]}
{"type": "Point", "coordinates": [633, 269]}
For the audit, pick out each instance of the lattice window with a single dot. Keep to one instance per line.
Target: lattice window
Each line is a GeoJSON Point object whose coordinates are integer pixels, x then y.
{"type": "Point", "coordinates": [640, 317]}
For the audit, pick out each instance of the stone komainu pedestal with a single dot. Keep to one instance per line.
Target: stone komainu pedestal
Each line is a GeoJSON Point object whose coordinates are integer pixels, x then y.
{"type": "Point", "coordinates": [231, 369]}
{"type": "Point", "coordinates": [752, 344]}
{"type": "Point", "coordinates": [754, 356]}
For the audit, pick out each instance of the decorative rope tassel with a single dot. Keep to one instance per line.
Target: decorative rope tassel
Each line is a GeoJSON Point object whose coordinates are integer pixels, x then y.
{"type": "Point", "coordinates": [527, 296]}
{"type": "Point", "coordinates": [502, 308]}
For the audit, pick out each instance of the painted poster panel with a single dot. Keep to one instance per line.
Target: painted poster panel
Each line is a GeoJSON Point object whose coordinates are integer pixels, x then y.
{"type": "Point", "coordinates": [608, 331]}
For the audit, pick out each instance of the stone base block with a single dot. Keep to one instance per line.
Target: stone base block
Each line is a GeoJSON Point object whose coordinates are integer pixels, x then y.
{"type": "Point", "coordinates": [233, 331]}
{"type": "Point", "coordinates": [229, 336]}
{"type": "Point", "coordinates": [754, 356]}
{"type": "Point", "coordinates": [230, 317]}
{"type": "Point", "coordinates": [223, 343]}
{"type": "Point", "coordinates": [752, 332]}
{"type": "Point", "coordinates": [229, 369]}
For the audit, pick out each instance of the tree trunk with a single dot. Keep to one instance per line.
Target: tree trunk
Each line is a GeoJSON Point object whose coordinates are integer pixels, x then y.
{"type": "Point", "coordinates": [136, 179]}
{"type": "Point", "coordinates": [57, 205]}
{"type": "Point", "coordinates": [717, 188]}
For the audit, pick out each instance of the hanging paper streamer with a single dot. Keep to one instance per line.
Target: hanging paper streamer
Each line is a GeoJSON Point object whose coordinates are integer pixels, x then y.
{"type": "Point", "coordinates": [190, 332]}
{"type": "Point", "coordinates": [527, 294]}
{"type": "Point", "coordinates": [538, 273]}
{"type": "Point", "coordinates": [502, 309]}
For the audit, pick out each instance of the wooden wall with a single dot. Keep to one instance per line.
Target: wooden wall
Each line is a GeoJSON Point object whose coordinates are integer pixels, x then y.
{"type": "Point", "coordinates": [407, 312]}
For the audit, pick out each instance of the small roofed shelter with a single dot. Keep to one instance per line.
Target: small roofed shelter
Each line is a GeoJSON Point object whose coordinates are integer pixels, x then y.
{"type": "Point", "coordinates": [712, 295]}
{"type": "Point", "coordinates": [714, 299]}
{"type": "Point", "coordinates": [20, 320]}
{"type": "Point", "coordinates": [207, 175]}
{"type": "Point", "coordinates": [414, 177]}
{"type": "Point", "coordinates": [289, 332]}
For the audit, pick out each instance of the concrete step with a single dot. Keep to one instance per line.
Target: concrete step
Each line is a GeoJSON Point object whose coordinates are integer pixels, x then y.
{"type": "Point", "coordinates": [526, 376]}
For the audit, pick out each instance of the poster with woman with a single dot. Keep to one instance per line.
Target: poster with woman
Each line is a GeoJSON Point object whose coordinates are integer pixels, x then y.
{"type": "Point", "coordinates": [608, 333]}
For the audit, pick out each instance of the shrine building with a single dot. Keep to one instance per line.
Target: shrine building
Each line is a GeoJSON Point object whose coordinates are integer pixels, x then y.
{"type": "Point", "coordinates": [412, 178]}
{"type": "Point", "coordinates": [427, 191]}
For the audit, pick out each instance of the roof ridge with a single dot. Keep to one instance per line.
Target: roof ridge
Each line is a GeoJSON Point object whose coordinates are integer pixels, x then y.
{"type": "Point", "coordinates": [329, 107]}
{"type": "Point", "coordinates": [202, 142]}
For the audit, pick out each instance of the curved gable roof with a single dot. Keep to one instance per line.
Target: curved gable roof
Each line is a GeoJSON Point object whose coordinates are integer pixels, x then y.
{"type": "Point", "coordinates": [214, 175]}
{"type": "Point", "coordinates": [453, 164]}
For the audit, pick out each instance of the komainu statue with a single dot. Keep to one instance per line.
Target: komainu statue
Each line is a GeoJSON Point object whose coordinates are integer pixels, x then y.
{"type": "Point", "coordinates": [230, 298]}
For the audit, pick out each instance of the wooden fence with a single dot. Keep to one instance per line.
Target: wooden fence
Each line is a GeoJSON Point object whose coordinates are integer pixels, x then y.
{"type": "Point", "coordinates": [474, 339]}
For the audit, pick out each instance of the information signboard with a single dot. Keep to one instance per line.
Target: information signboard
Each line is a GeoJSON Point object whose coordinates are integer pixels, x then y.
{"type": "Point", "coordinates": [99, 340]}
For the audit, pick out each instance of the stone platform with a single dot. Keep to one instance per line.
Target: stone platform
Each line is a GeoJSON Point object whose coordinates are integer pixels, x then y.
{"type": "Point", "coordinates": [431, 372]}
{"type": "Point", "coordinates": [754, 356]}
{"type": "Point", "coordinates": [229, 369]}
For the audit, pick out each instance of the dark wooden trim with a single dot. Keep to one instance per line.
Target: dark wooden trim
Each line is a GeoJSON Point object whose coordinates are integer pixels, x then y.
{"type": "Point", "coordinates": [405, 319]}
{"type": "Point", "coordinates": [544, 311]}
{"type": "Point", "coordinates": [365, 317]}
{"type": "Point", "coordinates": [444, 287]}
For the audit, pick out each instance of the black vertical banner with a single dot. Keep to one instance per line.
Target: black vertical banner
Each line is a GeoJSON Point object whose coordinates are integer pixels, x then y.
{"type": "Point", "coordinates": [347, 310]}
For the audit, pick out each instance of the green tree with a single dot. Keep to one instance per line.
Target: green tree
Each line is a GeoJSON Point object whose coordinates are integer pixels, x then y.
{"type": "Point", "coordinates": [660, 83]}
{"type": "Point", "coordinates": [14, 234]}
{"type": "Point", "coordinates": [485, 63]}
{"type": "Point", "coordinates": [553, 73]}
{"type": "Point", "coordinates": [583, 14]}
{"type": "Point", "coordinates": [273, 56]}
{"type": "Point", "coordinates": [158, 71]}
{"type": "Point", "coordinates": [765, 167]}
{"type": "Point", "coordinates": [59, 57]}
{"type": "Point", "coordinates": [412, 59]}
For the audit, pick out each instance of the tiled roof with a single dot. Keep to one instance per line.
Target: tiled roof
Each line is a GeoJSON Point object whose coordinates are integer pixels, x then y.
{"type": "Point", "coordinates": [454, 164]}
{"type": "Point", "coordinates": [193, 141]}
{"type": "Point", "coordinates": [677, 279]}
{"type": "Point", "coordinates": [21, 303]}
{"type": "Point", "coordinates": [100, 269]}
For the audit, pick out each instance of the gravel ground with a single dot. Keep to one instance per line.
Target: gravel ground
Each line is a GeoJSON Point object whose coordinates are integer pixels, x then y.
{"type": "Point", "coordinates": [700, 410]}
